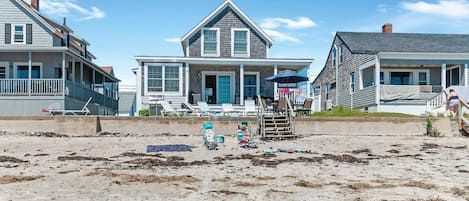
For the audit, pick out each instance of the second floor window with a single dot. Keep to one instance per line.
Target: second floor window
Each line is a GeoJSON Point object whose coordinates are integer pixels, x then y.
{"type": "Point", "coordinates": [240, 42]}
{"type": "Point", "coordinates": [19, 34]}
{"type": "Point", "coordinates": [210, 42]}
{"type": "Point", "coordinates": [341, 54]}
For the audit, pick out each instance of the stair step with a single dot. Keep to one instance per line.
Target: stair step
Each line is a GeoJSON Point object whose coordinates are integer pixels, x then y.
{"type": "Point", "coordinates": [279, 136]}
{"type": "Point", "coordinates": [270, 124]}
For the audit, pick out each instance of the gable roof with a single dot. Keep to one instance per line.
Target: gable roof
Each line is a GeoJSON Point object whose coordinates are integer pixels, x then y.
{"type": "Point", "coordinates": [107, 69]}
{"type": "Point", "coordinates": [366, 42]}
{"type": "Point", "coordinates": [216, 12]}
{"type": "Point", "coordinates": [43, 20]}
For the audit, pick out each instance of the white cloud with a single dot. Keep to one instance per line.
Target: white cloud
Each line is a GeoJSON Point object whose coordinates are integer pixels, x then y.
{"type": "Point", "coordinates": [299, 23]}
{"type": "Point", "coordinates": [61, 8]}
{"type": "Point", "coordinates": [281, 36]}
{"type": "Point", "coordinates": [457, 9]}
{"type": "Point", "coordinates": [172, 40]}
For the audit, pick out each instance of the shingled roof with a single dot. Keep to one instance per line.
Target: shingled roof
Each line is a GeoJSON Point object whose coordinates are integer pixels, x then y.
{"type": "Point", "coordinates": [366, 42]}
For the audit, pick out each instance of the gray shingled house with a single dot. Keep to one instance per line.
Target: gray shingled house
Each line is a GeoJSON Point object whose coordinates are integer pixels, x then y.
{"type": "Point", "coordinates": [391, 72]}
{"type": "Point", "coordinates": [226, 60]}
{"type": "Point", "coordinates": [44, 63]}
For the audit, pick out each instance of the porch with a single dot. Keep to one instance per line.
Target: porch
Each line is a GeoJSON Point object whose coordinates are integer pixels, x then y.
{"type": "Point", "coordinates": [58, 76]}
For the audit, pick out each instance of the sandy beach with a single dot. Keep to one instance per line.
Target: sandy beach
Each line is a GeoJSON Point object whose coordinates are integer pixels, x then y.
{"type": "Point", "coordinates": [338, 168]}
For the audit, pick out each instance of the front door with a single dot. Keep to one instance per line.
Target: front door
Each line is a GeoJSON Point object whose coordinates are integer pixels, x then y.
{"type": "Point", "coordinates": [218, 87]}
{"type": "Point", "coordinates": [224, 89]}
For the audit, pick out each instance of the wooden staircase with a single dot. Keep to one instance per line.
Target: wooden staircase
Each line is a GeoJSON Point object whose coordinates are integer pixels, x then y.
{"type": "Point", "coordinates": [276, 126]}
{"type": "Point", "coordinates": [462, 121]}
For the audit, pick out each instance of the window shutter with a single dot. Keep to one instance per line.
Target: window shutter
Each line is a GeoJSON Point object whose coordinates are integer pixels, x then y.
{"type": "Point", "coordinates": [7, 33]}
{"type": "Point", "coordinates": [29, 34]}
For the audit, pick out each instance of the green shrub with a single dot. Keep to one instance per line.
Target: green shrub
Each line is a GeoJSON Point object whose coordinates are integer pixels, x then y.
{"type": "Point", "coordinates": [144, 113]}
{"type": "Point", "coordinates": [432, 131]}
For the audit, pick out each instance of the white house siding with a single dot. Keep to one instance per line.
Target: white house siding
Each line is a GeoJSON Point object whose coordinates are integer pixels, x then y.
{"type": "Point", "coordinates": [10, 13]}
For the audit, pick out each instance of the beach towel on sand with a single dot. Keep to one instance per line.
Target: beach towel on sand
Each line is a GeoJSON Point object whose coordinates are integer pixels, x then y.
{"type": "Point", "coordinates": [169, 148]}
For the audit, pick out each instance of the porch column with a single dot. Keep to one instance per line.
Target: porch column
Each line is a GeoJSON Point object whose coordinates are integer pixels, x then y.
{"type": "Point", "coordinates": [187, 80]}
{"type": "Point", "coordinates": [81, 72]}
{"type": "Point", "coordinates": [30, 67]}
{"type": "Point", "coordinates": [377, 80]}
{"type": "Point", "coordinates": [275, 84]}
{"type": "Point", "coordinates": [465, 75]}
{"type": "Point", "coordinates": [443, 76]}
{"type": "Point", "coordinates": [241, 84]}
{"type": "Point", "coordinates": [64, 74]}
{"type": "Point", "coordinates": [73, 69]}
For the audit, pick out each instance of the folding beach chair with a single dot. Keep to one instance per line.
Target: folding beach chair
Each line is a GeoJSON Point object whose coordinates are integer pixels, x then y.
{"type": "Point", "coordinates": [228, 109]}
{"type": "Point", "coordinates": [191, 110]}
{"type": "Point", "coordinates": [203, 106]}
{"type": "Point", "coordinates": [167, 109]}
{"type": "Point", "coordinates": [83, 111]}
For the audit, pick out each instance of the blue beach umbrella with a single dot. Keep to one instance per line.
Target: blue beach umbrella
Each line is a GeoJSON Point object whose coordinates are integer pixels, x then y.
{"type": "Point", "coordinates": [287, 76]}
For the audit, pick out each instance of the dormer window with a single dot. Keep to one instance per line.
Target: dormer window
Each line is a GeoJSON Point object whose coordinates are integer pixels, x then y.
{"type": "Point", "coordinates": [19, 35]}
{"type": "Point", "coordinates": [240, 42]}
{"type": "Point", "coordinates": [211, 42]}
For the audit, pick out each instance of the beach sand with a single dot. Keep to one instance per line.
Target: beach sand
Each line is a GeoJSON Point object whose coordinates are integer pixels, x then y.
{"type": "Point", "coordinates": [339, 168]}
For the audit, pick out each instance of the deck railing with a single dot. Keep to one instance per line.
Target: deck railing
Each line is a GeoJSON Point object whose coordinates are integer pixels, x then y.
{"type": "Point", "coordinates": [80, 92]}
{"type": "Point", "coordinates": [33, 87]}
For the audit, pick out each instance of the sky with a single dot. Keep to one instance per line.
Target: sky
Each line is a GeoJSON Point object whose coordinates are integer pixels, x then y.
{"type": "Point", "coordinates": [119, 30]}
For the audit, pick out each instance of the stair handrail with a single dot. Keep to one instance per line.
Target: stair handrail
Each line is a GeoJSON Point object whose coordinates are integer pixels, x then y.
{"type": "Point", "coordinates": [260, 116]}
{"type": "Point", "coordinates": [436, 101]}
{"type": "Point", "coordinates": [291, 114]}
{"type": "Point", "coordinates": [461, 119]}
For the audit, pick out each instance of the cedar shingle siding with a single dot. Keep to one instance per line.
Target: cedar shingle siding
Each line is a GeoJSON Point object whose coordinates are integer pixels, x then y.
{"type": "Point", "coordinates": [225, 21]}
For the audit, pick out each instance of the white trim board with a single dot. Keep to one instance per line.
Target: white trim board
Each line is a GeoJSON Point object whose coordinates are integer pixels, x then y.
{"type": "Point", "coordinates": [232, 74]}
{"type": "Point", "coordinates": [13, 33]}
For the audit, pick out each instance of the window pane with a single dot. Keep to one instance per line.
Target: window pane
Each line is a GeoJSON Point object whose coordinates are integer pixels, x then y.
{"type": "Point", "coordinates": [455, 76]}
{"type": "Point", "coordinates": [250, 85]}
{"type": "Point", "coordinates": [155, 85]}
{"type": "Point", "coordinates": [250, 79]}
{"type": "Point", "coordinates": [422, 78]}
{"type": "Point", "coordinates": [400, 78]}
{"type": "Point", "coordinates": [171, 72]}
{"type": "Point", "coordinates": [381, 78]}
{"type": "Point", "coordinates": [171, 85]}
{"type": "Point", "coordinates": [2, 72]}
{"type": "Point", "coordinates": [19, 28]}
{"type": "Point", "coordinates": [334, 58]}
{"type": "Point", "coordinates": [155, 72]}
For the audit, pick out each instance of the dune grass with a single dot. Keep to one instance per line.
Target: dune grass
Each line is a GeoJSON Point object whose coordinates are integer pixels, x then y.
{"type": "Point", "coordinates": [345, 112]}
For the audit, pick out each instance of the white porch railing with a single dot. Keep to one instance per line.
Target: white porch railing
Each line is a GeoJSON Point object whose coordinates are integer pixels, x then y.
{"type": "Point", "coordinates": [436, 101]}
{"type": "Point", "coordinates": [37, 87]}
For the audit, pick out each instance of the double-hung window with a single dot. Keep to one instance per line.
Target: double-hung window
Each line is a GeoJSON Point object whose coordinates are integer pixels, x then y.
{"type": "Point", "coordinates": [240, 42]}
{"type": "Point", "coordinates": [163, 78]}
{"type": "Point", "coordinates": [327, 90]}
{"type": "Point", "coordinates": [210, 42]}
{"type": "Point", "coordinates": [423, 79]}
{"type": "Point", "coordinates": [3, 72]}
{"type": "Point", "coordinates": [19, 34]}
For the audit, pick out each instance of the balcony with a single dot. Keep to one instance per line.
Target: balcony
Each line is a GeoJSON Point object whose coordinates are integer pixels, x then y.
{"type": "Point", "coordinates": [35, 87]}
{"type": "Point", "coordinates": [53, 87]}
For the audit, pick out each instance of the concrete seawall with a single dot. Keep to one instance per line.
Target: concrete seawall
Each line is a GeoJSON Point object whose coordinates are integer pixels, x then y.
{"type": "Point", "coordinates": [90, 125]}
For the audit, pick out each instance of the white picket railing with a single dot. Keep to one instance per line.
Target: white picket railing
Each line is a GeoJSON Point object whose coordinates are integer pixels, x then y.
{"type": "Point", "coordinates": [37, 87]}
{"type": "Point", "coordinates": [436, 101]}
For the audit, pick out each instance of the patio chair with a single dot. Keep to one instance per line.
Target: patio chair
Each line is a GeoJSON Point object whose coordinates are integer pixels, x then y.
{"type": "Point", "coordinates": [205, 109]}
{"type": "Point", "coordinates": [83, 111]}
{"type": "Point", "coordinates": [228, 109]}
{"type": "Point", "coordinates": [53, 106]}
{"type": "Point", "coordinates": [306, 109]}
{"type": "Point", "coordinates": [167, 109]}
{"type": "Point", "coordinates": [250, 108]}
{"type": "Point", "coordinates": [191, 110]}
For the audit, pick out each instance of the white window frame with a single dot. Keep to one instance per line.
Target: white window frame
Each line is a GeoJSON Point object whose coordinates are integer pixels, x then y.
{"type": "Point", "coordinates": [7, 69]}
{"type": "Point", "coordinates": [13, 31]}
{"type": "Point", "coordinates": [257, 74]}
{"type": "Point", "coordinates": [16, 64]}
{"type": "Point", "coordinates": [203, 42]}
{"type": "Point", "coordinates": [415, 75]}
{"type": "Point", "coordinates": [248, 40]}
{"type": "Point", "coordinates": [163, 92]}
{"type": "Point", "coordinates": [341, 55]}
{"type": "Point", "coordinates": [352, 89]}
{"type": "Point", "coordinates": [334, 57]}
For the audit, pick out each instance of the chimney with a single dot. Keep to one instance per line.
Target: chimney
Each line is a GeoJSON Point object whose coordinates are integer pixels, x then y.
{"type": "Point", "coordinates": [65, 21]}
{"type": "Point", "coordinates": [35, 4]}
{"type": "Point", "coordinates": [387, 28]}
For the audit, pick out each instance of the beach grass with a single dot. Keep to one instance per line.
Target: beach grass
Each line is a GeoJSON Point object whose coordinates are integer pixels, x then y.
{"type": "Point", "coordinates": [346, 112]}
